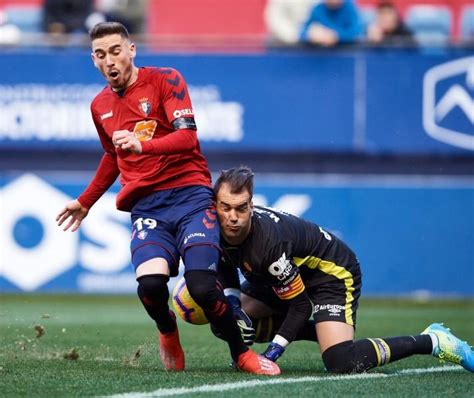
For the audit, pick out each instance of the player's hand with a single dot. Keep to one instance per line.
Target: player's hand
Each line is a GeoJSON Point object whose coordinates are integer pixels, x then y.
{"type": "Point", "coordinates": [273, 351]}
{"type": "Point", "coordinates": [73, 213]}
{"type": "Point", "coordinates": [243, 320]}
{"type": "Point", "coordinates": [127, 141]}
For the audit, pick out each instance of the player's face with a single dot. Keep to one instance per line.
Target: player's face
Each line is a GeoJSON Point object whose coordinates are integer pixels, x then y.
{"type": "Point", "coordinates": [113, 55]}
{"type": "Point", "coordinates": [235, 214]}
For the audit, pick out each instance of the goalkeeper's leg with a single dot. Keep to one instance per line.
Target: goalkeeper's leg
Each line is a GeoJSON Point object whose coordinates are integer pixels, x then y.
{"type": "Point", "coordinates": [343, 355]}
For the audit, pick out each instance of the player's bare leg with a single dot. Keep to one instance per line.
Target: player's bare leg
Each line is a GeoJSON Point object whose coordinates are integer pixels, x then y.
{"type": "Point", "coordinates": [153, 276]}
{"type": "Point", "coordinates": [332, 333]}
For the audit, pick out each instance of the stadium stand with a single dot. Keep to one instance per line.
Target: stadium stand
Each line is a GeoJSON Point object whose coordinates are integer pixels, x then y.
{"type": "Point", "coordinates": [367, 16]}
{"type": "Point", "coordinates": [467, 25]}
{"type": "Point", "coordinates": [430, 24]}
{"type": "Point", "coordinates": [221, 24]}
{"type": "Point", "coordinates": [26, 17]}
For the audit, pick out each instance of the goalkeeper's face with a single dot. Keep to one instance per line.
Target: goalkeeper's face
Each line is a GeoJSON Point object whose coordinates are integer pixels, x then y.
{"type": "Point", "coordinates": [235, 214]}
{"type": "Point", "coordinates": [113, 55]}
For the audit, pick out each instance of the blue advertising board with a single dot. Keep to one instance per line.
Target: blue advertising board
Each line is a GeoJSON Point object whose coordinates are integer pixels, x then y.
{"type": "Point", "coordinates": [411, 234]}
{"type": "Point", "coordinates": [350, 101]}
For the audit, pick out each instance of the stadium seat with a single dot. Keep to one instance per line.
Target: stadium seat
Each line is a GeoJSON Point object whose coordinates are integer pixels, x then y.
{"type": "Point", "coordinates": [467, 24]}
{"type": "Point", "coordinates": [367, 15]}
{"type": "Point", "coordinates": [430, 24]}
{"type": "Point", "coordinates": [27, 18]}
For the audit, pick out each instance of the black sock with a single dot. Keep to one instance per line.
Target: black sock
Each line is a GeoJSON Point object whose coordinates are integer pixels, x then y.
{"type": "Point", "coordinates": [202, 286]}
{"type": "Point", "coordinates": [153, 293]}
{"type": "Point", "coordinates": [405, 346]}
{"type": "Point", "coordinates": [362, 355]}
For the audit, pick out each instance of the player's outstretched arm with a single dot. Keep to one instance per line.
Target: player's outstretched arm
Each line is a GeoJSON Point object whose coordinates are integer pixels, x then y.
{"type": "Point", "coordinates": [73, 213]}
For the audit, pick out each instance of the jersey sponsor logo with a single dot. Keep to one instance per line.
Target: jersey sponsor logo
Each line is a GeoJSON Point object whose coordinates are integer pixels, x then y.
{"type": "Point", "coordinates": [183, 112]}
{"type": "Point", "coordinates": [145, 106]}
{"type": "Point", "coordinates": [106, 115]}
{"type": "Point", "coordinates": [145, 129]}
{"type": "Point", "coordinates": [194, 235]}
{"type": "Point", "coordinates": [280, 267]}
{"type": "Point", "coordinates": [333, 309]}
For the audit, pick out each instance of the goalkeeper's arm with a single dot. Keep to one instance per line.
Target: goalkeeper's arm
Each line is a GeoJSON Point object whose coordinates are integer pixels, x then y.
{"type": "Point", "coordinates": [299, 311]}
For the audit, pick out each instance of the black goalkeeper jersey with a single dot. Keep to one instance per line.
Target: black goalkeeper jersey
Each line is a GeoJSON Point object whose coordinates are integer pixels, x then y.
{"type": "Point", "coordinates": [287, 253]}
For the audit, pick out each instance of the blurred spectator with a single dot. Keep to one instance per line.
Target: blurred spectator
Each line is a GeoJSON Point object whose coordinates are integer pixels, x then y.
{"type": "Point", "coordinates": [332, 22]}
{"type": "Point", "coordinates": [9, 34]}
{"type": "Point", "coordinates": [388, 27]}
{"type": "Point", "coordinates": [66, 16]}
{"type": "Point", "coordinates": [284, 19]}
{"type": "Point", "coordinates": [130, 13]}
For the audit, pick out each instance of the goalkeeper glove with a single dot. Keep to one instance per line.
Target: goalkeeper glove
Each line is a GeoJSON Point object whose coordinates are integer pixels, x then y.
{"type": "Point", "coordinates": [273, 351]}
{"type": "Point", "coordinates": [243, 321]}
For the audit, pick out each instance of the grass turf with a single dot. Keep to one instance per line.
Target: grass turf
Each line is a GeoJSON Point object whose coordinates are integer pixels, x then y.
{"type": "Point", "coordinates": [66, 346]}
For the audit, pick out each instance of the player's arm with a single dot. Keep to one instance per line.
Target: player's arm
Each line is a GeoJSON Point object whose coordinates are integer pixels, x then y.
{"type": "Point", "coordinates": [107, 172]}
{"type": "Point", "coordinates": [288, 286]}
{"type": "Point", "coordinates": [179, 112]}
{"type": "Point", "coordinates": [174, 96]}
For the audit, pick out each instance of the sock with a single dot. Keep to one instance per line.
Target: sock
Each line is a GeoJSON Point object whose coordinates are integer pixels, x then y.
{"type": "Point", "coordinates": [202, 286]}
{"type": "Point", "coordinates": [153, 293]}
{"type": "Point", "coordinates": [362, 355]}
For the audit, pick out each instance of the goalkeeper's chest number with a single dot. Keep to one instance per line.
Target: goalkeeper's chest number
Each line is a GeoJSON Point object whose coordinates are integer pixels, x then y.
{"type": "Point", "coordinates": [141, 223]}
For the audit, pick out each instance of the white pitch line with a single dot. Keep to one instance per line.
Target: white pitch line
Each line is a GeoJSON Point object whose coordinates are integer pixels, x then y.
{"type": "Point", "coordinates": [168, 392]}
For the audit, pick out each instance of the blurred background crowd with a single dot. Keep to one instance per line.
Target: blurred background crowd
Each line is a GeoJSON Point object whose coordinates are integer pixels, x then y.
{"type": "Point", "coordinates": [247, 23]}
{"type": "Point", "coordinates": [357, 115]}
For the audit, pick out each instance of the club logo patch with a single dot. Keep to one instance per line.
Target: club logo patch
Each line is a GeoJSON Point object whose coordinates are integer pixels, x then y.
{"type": "Point", "coordinates": [142, 234]}
{"type": "Point", "coordinates": [145, 106]}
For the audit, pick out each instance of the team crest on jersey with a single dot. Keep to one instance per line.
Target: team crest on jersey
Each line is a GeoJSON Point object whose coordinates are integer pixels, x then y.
{"type": "Point", "coordinates": [142, 234]}
{"type": "Point", "coordinates": [145, 106]}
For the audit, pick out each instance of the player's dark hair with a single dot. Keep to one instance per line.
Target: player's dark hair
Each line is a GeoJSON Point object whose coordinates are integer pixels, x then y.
{"type": "Point", "coordinates": [108, 28]}
{"type": "Point", "coordinates": [239, 179]}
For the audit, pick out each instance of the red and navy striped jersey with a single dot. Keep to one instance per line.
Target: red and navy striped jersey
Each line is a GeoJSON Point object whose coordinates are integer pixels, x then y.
{"type": "Point", "coordinates": [150, 108]}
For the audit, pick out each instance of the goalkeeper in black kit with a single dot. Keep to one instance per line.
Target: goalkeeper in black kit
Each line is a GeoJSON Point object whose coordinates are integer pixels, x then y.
{"type": "Point", "coordinates": [303, 283]}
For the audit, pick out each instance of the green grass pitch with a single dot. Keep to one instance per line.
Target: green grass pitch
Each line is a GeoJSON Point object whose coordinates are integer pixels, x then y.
{"type": "Point", "coordinates": [76, 346]}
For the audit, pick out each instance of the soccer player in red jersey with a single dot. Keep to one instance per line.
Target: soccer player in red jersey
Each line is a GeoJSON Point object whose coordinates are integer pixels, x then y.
{"type": "Point", "coordinates": [146, 126]}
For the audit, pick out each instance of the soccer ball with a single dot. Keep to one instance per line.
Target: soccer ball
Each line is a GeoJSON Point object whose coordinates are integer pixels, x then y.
{"type": "Point", "coordinates": [186, 308]}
